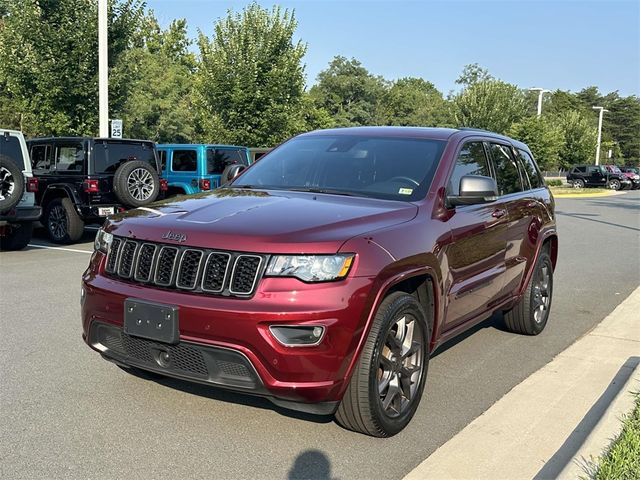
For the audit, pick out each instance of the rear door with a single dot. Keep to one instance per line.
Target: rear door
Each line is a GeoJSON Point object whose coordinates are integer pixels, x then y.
{"type": "Point", "coordinates": [476, 254]}
{"type": "Point", "coordinates": [183, 167]}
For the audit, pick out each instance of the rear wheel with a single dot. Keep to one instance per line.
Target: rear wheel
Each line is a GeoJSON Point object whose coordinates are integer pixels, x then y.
{"type": "Point", "coordinates": [17, 236]}
{"type": "Point", "coordinates": [62, 222]}
{"type": "Point", "coordinates": [578, 183]}
{"type": "Point", "coordinates": [614, 184]}
{"type": "Point", "coordinates": [388, 381]}
{"type": "Point", "coordinates": [529, 316]}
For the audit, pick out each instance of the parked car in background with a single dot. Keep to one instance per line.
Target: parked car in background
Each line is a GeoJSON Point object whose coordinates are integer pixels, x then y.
{"type": "Point", "coordinates": [193, 168]}
{"type": "Point", "coordinates": [256, 153]}
{"type": "Point", "coordinates": [633, 177]}
{"type": "Point", "coordinates": [84, 180]}
{"type": "Point", "coordinates": [325, 275]}
{"type": "Point", "coordinates": [582, 176]}
{"type": "Point", "coordinates": [18, 210]}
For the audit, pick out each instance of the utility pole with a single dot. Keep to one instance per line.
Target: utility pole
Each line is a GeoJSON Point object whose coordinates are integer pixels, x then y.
{"type": "Point", "coordinates": [601, 111]}
{"type": "Point", "coordinates": [103, 69]}
{"type": "Point", "coordinates": [540, 91]}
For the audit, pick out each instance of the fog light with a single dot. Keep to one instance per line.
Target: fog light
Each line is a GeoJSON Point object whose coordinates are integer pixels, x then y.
{"type": "Point", "coordinates": [297, 336]}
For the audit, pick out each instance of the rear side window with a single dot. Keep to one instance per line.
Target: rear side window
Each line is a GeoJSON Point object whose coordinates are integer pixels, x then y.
{"type": "Point", "coordinates": [70, 158]}
{"type": "Point", "coordinates": [581, 169]}
{"type": "Point", "coordinates": [507, 174]}
{"type": "Point", "coordinates": [10, 147]}
{"type": "Point", "coordinates": [529, 169]}
{"type": "Point", "coordinates": [109, 155]}
{"type": "Point", "coordinates": [41, 157]}
{"type": "Point", "coordinates": [471, 160]}
{"type": "Point", "coordinates": [218, 159]}
{"type": "Point", "coordinates": [184, 161]}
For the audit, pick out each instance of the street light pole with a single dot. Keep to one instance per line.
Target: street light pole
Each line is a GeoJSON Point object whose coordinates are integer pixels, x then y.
{"type": "Point", "coordinates": [103, 70]}
{"type": "Point", "coordinates": [540, 91]}
{"type": "Point", "coordinates": [601, 111]}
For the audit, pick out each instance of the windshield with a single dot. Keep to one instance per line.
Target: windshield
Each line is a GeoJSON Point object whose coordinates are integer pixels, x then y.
{"type": "Point", "coordinates": [109, 155]}
{"type": "Point", "coordinates": [378, 167]}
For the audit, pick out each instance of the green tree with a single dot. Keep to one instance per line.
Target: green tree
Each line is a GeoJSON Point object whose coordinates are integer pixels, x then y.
{"type": "Point", "coordinates": [49, 62]}
{"type": "Point", "coordinates": [472, 74]}
{"type": "Point", "coordinates": [489, 104]}
{"type": "Point", "coordinates": [155, 80]}
{"type": "Point", "coordinates": [349, 93]}
{"type": "Point", "coordinates": [622, 126]}
{"type": "Point", "coordinates": [414, 101]}
{"type": "Point", "coordinates": [250, 82]}
{"type": "Point", "coordinates": [543, 136]}
{"type": "Point", "coordinates": [579, 138]}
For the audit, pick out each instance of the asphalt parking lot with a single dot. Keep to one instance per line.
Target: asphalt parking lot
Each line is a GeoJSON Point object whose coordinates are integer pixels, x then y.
{"type": "Point", "coordinates": [65, 412]}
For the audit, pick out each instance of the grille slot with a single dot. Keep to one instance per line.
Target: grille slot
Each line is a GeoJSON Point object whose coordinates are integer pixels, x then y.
{"type": "Point", "coordinates": [189, 268]}
{"type": "Point", "coordinates": [185, 268]}
{"type": "Point", "coordinates": [144, 263]}
{"type": "Point", "coordinates": [215, 272]}
{"type": "Point", "coordinates": [166, 265]}
{"type": "Point", "coordinates": [245, 273]}
{"type": "Point", "coordinates": [127, 255]}
{"type": "Point", "coordinates": [112, 259]}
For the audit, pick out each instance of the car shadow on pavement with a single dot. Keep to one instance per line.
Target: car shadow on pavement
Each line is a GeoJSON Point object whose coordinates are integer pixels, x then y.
{"type": "Point", "coordinates": [496, 321]}
{"type": "Point", "coordinates": [574, 441]}
{"type": "Point", "coordinates": [311, 464]}
{"type": "Point", "coordinates": [228, 396]}
{"type": "Point", "coordinates": [586, 216]}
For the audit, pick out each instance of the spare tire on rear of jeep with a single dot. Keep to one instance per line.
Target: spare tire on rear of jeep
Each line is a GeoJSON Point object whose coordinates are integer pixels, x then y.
{"type": "Point", "coordinates": [11, 183]}
{"type": "Point", "coordinates": [136, 183]}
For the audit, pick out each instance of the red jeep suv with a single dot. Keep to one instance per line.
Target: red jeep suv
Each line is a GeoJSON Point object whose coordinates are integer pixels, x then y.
{"type": "Point", "coordinates": [324, 275]}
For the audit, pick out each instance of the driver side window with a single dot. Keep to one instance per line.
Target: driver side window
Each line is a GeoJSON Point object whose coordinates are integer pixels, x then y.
{"type": "Point", "coordinates": [472, 160]}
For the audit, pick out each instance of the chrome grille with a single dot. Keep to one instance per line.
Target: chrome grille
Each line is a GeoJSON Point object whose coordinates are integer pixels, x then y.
{"type": "Point", "coordinates": [185, 268]}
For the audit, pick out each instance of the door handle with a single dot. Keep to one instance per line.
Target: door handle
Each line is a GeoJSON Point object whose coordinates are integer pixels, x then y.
{"type": "Point", "coordinates": [499, 213]}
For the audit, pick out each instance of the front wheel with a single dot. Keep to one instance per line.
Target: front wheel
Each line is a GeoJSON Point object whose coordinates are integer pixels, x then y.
{"type": "Point", "coordinates": [529, 316]}
{"type": "Point", "coordinates": [388, 381]}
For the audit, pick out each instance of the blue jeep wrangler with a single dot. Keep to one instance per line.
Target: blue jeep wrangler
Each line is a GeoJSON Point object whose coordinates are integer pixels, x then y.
{"type": "Point", "coordinates": [193, 168]}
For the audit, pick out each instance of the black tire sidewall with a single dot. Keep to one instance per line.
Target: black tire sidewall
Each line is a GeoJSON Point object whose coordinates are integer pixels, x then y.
{"type": "Point", "coordinates": [402, 304]}
{"type": "Point", "coordinates": [120, 183]}
{"type": "Point", "coordinates": [580, 183]}
{"type": "Point", "coordinates": [613, 183]}
{"type": "Point", "coordinates": [18, 188]}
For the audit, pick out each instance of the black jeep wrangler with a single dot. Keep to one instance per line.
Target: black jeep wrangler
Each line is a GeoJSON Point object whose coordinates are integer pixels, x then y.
{"type": "Point", "coordinates": [83, 180]}
{"type": "Point", "coordinates": [581, 176]}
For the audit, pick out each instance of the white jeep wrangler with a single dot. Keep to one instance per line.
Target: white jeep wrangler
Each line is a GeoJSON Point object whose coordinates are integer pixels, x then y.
{"type": "Point", "coordinates": [17, 186]}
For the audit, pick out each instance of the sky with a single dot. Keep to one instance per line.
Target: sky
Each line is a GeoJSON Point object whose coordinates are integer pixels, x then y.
{"type": "Point", "coordinates": [562, 44]}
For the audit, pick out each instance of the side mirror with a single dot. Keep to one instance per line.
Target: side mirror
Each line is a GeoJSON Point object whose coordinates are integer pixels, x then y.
{"type": "Point", "coordinates": [230, 172]}
{"type": "Point", "coordinates": [474, 189]}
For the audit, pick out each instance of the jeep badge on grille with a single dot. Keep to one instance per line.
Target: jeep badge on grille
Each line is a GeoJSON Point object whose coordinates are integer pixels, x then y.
{"type": "Point", "coordinates": [178, 237]}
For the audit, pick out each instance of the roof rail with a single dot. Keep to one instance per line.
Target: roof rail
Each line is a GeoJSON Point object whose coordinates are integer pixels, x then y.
{"type": "Point", "coordinates": [476, 129]}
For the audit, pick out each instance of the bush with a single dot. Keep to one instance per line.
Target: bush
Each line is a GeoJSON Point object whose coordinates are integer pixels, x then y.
{"type": "Point", "coordinates": [556, 182]}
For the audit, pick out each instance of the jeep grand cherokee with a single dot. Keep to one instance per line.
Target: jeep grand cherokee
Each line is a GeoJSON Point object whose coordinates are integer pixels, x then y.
{"type": "Point", "coordinates": [325, 275]}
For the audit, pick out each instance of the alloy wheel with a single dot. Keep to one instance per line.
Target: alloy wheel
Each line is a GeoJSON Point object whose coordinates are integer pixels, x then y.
{"type": "Point", "coordinates": [140, 184]}
{"type": "Point", "coordinates": [541, 293]}
{"type": "Point", "coordinates": [7, 183]}
{"type": "Point", "coordinates": [400, 366]}
{"type": "Point", "coordinates": [58, 224]}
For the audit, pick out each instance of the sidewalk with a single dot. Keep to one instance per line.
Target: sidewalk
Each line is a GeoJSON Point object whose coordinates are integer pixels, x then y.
{"type": "Point", "coordinates": [538, 429]}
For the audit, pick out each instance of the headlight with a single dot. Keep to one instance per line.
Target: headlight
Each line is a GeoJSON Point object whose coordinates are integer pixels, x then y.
{"type": "Point", "coordinates": [103, 241]}
{"type": "Point", "coordinates": [310, 268]}
{"type": "Point", "coordinates": [636, 177]}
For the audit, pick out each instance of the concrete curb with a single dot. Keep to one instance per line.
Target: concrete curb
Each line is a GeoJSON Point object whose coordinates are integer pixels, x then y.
{"type": "Point", "coordinates": [588, 195]}
{"type": "Point", "coordinates": [607, 430]}
{"type": "Point", "coordinates": [539, 427]}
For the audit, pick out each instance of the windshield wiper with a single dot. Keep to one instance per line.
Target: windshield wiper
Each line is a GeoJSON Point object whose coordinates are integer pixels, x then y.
{"type": "Point", "coordinates": [321, 190]}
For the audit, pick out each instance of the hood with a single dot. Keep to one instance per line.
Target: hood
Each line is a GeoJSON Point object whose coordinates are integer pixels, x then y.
{"type": "Point", "coordinates": [261, 221]}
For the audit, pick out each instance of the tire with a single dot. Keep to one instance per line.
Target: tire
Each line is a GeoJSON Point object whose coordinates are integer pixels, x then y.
{"type": "Point", "coordinates": [62, 222]}
{"type": "Point", "coordinates": [529, 316]}
{"type": "Point", "coordinates": [578, 183]}
{"type": "Point", "coordinates": [362, 409]}
{"type": "Point", "coordinates": [136, 184]}
{"type": "Point", "coordinates": [11, 183]}
{"type": "Point", "coordinates": [614, 184]}
{"type": "Point", "coordinates": [18, 236]}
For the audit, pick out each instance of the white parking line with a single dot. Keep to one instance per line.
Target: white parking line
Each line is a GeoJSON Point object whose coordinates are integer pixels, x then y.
{"type": "Point", "coordinates": [58, 248]}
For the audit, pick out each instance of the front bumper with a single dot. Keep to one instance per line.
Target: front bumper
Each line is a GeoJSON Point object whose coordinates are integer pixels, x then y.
{"type": "Point", "coordinates": [21, 215]}
{"type": "Point", "coordinates": [235, 331]}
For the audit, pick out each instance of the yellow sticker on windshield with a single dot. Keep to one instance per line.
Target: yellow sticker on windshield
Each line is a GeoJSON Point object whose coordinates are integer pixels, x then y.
{"type": "Point", "coordinates": [405, 191]}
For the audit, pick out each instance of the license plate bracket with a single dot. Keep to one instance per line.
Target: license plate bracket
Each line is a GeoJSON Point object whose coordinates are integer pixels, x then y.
{"type": "Point", "coordinates": [105, 211]}
{"type": "Point", "coordinates": [153, 321]}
